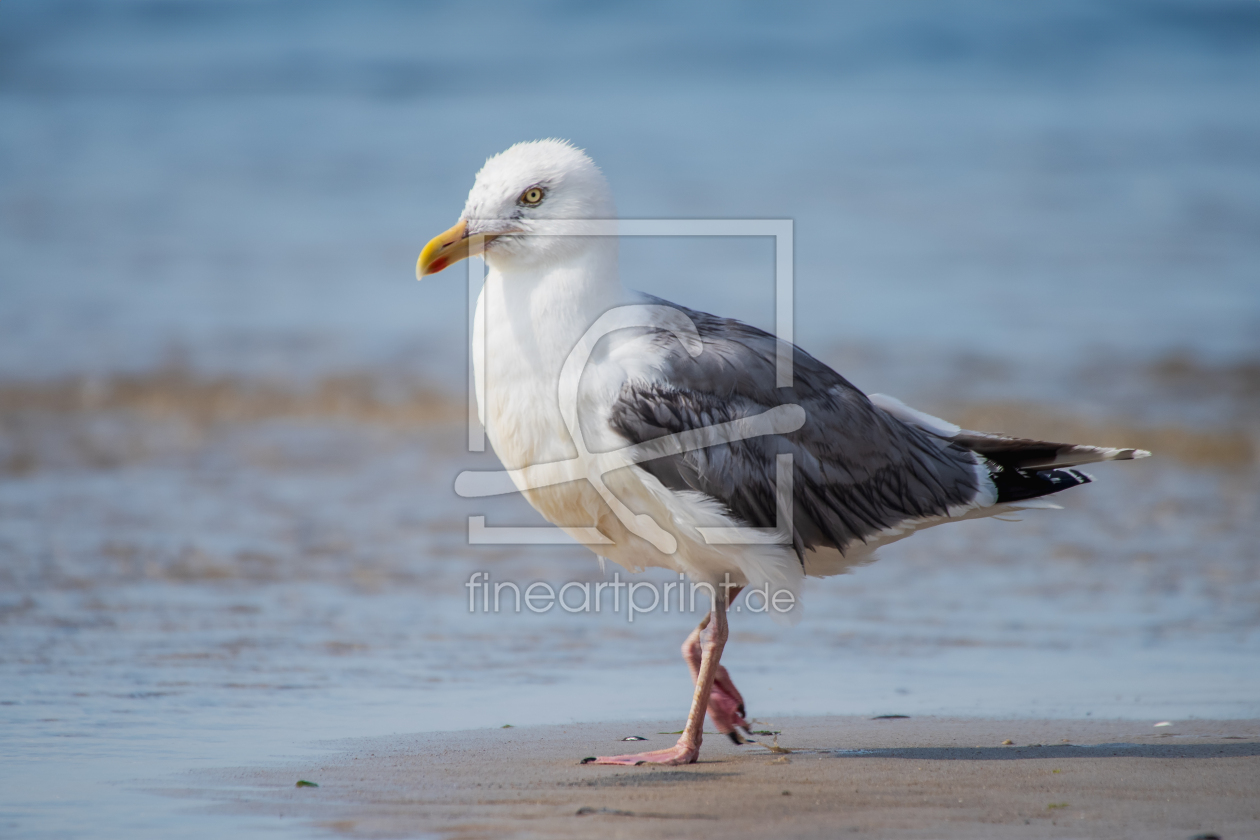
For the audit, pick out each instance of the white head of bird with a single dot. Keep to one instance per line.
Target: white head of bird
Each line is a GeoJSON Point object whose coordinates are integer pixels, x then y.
{"type": "Point", "coordinates": [535, 205]}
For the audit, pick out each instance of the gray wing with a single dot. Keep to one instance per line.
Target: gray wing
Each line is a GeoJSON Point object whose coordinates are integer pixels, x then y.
{"type": "Point", "coordinates": [857, 469]}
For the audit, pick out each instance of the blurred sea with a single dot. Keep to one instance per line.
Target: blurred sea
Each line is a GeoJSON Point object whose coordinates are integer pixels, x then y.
{"type": "Point", "coordinates": [230, 419]}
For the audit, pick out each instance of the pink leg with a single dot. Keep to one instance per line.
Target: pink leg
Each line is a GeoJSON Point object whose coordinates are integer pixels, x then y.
{"type": "Point", "coordinates": [687, 750]}
{"type": "Point", "coordinates": [726, 705]}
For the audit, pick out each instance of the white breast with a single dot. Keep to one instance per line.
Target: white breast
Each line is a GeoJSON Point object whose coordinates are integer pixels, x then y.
{"type": "Point", "coordinates": [517, 367]}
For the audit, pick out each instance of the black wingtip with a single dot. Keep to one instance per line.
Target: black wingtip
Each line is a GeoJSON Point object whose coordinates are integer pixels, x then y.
{"type": "Point", "coordinates": [1015, 485]}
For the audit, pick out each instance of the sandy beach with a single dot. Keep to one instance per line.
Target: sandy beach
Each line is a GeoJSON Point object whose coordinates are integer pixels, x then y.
{"type": "Point", "coordinates": [893, 778]}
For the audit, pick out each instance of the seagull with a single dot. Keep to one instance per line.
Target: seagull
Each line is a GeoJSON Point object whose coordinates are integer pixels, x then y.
{"type": "Point", "coordinates": [661, 436]}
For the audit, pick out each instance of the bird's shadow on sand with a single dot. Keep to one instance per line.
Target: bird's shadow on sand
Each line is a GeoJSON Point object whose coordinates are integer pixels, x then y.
{"type": "Point", "coordinates": [1016, 753]}
{"type": "Point", "coordinates": [637, 778]}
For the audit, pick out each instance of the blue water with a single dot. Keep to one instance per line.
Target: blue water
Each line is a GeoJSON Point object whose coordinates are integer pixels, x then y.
{"type": "Point", "coordinates": [249, 183]}
{"type": "Point", "coordinates": [991, 200]}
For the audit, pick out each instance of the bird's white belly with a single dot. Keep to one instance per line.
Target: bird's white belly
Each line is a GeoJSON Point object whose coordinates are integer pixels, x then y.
{"type": "Point", "coordinates": [517, 391]}
{"type": "Point", "coordinates": [526, 431]}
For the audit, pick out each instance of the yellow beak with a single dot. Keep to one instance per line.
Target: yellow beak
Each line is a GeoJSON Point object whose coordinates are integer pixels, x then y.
{"type": "Point", "coordinates": [448, 248]}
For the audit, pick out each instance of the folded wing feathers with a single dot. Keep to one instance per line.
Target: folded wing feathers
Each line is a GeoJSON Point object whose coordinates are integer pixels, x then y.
{"type": "Point", "coordinates": [1020, 453]}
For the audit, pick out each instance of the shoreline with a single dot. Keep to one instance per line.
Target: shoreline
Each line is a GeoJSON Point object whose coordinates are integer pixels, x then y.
{"type": "Point", "coordinates": [901, 777]}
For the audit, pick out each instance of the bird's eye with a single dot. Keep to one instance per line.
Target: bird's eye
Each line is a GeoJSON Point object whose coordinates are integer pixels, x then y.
{"type": "Point", "coordinates": [532, 196]}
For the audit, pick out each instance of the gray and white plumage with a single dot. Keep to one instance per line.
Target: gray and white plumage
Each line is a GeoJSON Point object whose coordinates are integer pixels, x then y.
{"type": "Point", "coordinates": [857, 469]}
{"type": "Point", "coordinates": [863, 467]}
{"type": "Point", "coordinates": [865, 470]}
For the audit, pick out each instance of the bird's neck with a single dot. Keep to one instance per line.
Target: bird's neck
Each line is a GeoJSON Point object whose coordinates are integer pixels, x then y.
{"type": "Point", "coordinates": [534, 317]}
{"type": "Point", "coordinates": [528, 323]}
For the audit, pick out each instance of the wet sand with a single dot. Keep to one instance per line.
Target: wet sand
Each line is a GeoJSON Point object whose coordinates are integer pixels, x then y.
{"type": "Point", "coordinates": [201, 572]}
{"type": "Point", "coordinates": [912, 778]}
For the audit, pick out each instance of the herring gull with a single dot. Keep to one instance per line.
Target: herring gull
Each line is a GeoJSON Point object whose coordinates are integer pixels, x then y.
{"type": "Point", "coordinates": [659, 435]}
